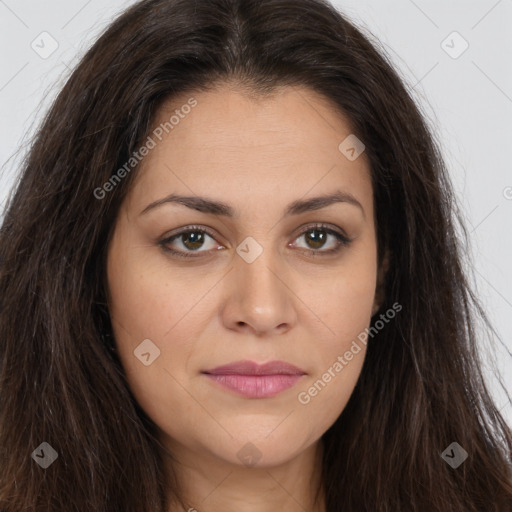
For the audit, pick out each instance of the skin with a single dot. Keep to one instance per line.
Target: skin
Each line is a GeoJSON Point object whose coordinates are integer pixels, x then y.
{"type": "Point", "coordinates": [258, 155]}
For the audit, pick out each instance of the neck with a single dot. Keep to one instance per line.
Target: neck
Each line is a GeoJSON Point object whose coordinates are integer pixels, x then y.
{"type": "Point", "coordinates": [209, 484]}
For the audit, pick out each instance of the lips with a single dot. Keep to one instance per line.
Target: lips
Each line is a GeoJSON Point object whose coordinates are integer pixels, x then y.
{"type": "Point", "coordinates": [252, 368]}
{"type": "Point", "coordinates": [254, 380]}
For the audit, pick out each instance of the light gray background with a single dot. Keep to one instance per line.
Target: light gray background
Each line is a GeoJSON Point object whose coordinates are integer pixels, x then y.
{"type": "Point", "coordinates": [467, 99]}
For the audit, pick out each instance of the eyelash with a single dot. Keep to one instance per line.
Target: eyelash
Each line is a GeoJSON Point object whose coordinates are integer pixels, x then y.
{"type": "Point", "coordinates": [343, 241]}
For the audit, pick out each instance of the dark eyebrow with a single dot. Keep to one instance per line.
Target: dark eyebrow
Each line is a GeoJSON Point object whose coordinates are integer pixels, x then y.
{"type": "Point", "coordinates": [204, 205]}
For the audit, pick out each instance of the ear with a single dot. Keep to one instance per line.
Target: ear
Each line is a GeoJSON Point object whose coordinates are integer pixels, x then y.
{"type": "Point", "coordinates": [381, 280]}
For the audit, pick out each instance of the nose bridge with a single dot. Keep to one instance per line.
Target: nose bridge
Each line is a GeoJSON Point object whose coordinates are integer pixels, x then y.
{"type": "Point", "coordinates": [260, 296]}
{"type": "Point", "coordinates": [257, 269]}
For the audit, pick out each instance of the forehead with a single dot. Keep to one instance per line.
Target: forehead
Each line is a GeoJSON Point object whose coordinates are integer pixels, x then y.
{"type": "Point", "coordinates": [251, 148]}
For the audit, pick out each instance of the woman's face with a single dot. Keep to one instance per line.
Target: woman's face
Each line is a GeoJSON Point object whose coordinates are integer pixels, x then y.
{"type": "Point", "coordinates": [253, 289]}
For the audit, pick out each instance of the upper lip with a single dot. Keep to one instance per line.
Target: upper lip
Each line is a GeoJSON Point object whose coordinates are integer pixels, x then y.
{"type": "Point", "coordinates": [252, 368]}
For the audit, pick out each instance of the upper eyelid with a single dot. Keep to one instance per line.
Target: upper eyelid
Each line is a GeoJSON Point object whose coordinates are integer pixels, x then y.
{"type": "Point", "coordinates": [190, 229]}
{"type": "Point", "coordinates": [302, 230]}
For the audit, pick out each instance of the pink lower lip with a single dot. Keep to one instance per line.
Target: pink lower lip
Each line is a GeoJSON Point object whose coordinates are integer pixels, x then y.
{"type": "Point", "coordinates": [256, 386]}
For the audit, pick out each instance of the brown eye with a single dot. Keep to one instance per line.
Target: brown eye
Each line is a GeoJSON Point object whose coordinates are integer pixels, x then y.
{"type": "Point", "coordinates": [318, 237]}
{"type": "Point", "coordinates": [192, 240]}
{"type": "Point", "coordinates": [189, 243]}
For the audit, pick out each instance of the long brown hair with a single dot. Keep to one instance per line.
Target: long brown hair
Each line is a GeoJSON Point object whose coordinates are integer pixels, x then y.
{"type": "Point", "coordinates": [61, 382]}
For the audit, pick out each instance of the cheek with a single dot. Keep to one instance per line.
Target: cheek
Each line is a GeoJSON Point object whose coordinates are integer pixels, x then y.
{"type": "Point", "coordinates": [149, 301]}
{"type": "Point", "coordinates": [351, 303]}
{"type": "Point", "coordinates": [344, 301]}
{"type": "Point", "coordinates": [344, 308]}
{"type": "Point", "coordinates": [339, 355]}
{"type": "Point", "coordinates": [146, 299]}
{"type": "Point", "coordinates": [144, 305]}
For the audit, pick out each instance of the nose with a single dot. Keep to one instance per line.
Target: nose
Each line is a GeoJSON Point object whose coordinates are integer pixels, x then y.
{"type": "Point", "coordinates": [260, 300]}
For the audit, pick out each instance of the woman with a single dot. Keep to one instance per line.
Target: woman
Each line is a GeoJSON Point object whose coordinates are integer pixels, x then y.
{"type": "Point", "coordinates": [230, 280]}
